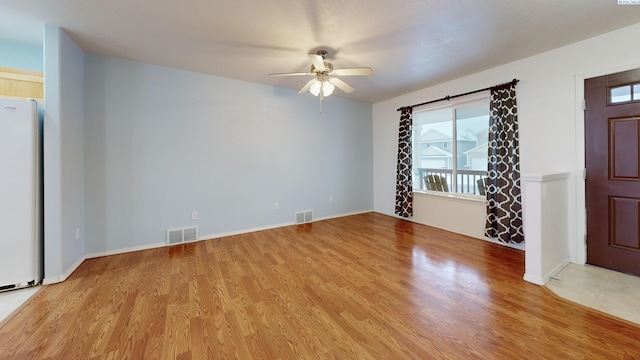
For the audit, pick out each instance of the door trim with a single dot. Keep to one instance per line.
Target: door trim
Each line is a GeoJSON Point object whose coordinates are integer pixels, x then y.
{"type": "Point", "coordinates": [578, 250]}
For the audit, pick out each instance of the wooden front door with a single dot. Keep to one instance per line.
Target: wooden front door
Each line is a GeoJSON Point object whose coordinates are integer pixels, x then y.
{"type": "Point", "coordinates": [612, 143]}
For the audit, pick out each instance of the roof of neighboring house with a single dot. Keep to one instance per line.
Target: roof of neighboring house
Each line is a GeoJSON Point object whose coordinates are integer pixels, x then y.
{"type": "Point", "coordinates": [482, 148]}
{"type": "Point", "coordinates": [435, 151]}
{"type": "Point", "coordinates": [433, 135]}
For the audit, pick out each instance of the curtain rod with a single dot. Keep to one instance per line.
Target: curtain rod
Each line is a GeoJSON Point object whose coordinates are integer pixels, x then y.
{"type": "Point", "coordinates": [449, 97]}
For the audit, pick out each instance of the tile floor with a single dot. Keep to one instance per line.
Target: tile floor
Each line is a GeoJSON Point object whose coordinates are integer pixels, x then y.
{"type": "Point", "coordinates": [11, 300]}
{"type": "Point", "coordinates": [605, 290]}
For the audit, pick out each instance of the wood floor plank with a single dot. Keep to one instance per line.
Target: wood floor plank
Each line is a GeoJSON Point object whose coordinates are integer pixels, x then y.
{"type": "Point", "coordinates": [367, 286]}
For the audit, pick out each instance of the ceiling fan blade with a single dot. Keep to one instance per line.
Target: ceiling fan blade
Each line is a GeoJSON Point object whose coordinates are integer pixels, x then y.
{"type": "Point", "coordinates": [292, 74]}
{"type": "Point", "coordinates": [341, 85]}
{"type": "Point", "coordinates": [306, 87]}
{"type": "Point", "coordinates": [353, 71]}
{"type": "Point", "coordinates": [317, 61]}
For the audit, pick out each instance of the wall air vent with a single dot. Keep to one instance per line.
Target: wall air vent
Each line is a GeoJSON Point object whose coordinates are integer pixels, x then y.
{"type": "Point", "coordinates": [174, 236]}
{"type": "Point", "coordinates": [181, 236]}
{"type": "Point", "coordinates": [304, 217]}
{"type": "Point", "coordinates": [190, 234]}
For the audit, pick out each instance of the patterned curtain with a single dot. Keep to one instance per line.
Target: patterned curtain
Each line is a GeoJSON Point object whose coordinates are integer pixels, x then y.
{"type": "Point", "coordinates": [504, 200]}
{"type": "Point", "coordinates": [404, 178]}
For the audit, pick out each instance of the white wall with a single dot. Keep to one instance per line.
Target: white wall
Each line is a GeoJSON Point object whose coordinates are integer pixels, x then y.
{"type": "Point", "coordinates": [63, 154]}
{"type": "Point", "coordinates": [461, 215]}
{"type": "Point", "coordinates": [161, 143]}
{"type": "Point", "coordinates": [550, 117]}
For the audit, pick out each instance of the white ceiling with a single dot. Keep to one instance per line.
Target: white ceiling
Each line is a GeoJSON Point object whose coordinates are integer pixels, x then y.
{"type": "Point", "coordinates": [410, 44]}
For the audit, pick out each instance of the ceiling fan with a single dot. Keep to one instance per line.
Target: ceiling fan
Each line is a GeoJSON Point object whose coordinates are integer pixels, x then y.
{"type": "Point", "coordinates": [326, 78]}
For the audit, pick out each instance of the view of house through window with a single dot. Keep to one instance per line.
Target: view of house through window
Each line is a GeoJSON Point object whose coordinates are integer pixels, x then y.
{"type": "Point", "coordinates": [442, 164]}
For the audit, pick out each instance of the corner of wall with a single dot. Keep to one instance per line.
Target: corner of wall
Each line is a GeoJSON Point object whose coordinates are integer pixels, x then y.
{"type": "Point", "coordinates": [63, 175]}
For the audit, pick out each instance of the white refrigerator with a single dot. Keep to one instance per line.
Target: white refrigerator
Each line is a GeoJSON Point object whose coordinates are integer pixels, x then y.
{"type": "Point", "coordinates": [20, 194]}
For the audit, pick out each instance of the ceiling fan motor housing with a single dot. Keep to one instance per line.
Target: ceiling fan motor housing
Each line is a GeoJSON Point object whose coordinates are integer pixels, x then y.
{"type": "Point", "coordinates": [322, 53]}
{"type": "Point", "coordinates": [328, 67]}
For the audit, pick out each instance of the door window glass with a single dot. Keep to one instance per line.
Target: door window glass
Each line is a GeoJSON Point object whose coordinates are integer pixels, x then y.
{"type": "Point", "coordinates": [625, 93]}
{"type": "Point", "coordinates": [621, 94]}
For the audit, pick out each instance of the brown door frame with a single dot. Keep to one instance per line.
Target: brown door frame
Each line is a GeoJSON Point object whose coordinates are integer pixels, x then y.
{"type": "Point", "coordinates": [578, 250]}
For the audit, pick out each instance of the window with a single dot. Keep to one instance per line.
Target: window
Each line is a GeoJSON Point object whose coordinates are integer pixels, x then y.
{"type": "Point", "coordinates": [625, 93]}
{"type": "Point", "coordinates": [442, 164]}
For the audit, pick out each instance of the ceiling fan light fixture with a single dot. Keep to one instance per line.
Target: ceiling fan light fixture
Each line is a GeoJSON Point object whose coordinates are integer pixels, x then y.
{"type": "Point", "coordinates": [315, 88]}
{"type": "Point", "coordinates": [327, 88]}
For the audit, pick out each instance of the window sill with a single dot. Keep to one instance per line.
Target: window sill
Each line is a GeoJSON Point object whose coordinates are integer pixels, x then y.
{"type": "Point", "coordinates": [474, 199]}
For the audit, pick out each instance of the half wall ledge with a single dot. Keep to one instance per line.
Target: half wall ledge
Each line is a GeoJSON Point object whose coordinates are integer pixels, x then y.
{"type": "Point", "coordinates": [546, 225]}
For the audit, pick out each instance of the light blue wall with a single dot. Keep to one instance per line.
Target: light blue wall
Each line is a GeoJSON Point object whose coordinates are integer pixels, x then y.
{"type": "Point", "coordinates": [63, 154]}
{"type": "Point", "coordinates": [161, 143]}
{"type": "Point", "coordinates": [21, 56]}
{"type": "Point", "coordinates": [72, 152]}
{"type": "Point", "coordinates": [51, 148]}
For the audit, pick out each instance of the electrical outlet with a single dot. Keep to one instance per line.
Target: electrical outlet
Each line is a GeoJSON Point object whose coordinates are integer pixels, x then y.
{"type": "Point", "coordinates": [331, 198]}
{"type": "Point", "coordinates": [276, 206]}
{"type": "Point", "coordinates": [194, 215]}
{"type": "Point", "coordinates": [77, 233]}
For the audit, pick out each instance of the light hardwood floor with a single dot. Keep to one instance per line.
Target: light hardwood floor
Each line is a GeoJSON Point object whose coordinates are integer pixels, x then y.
{"type": "Point", "coordinates": [367, 286]}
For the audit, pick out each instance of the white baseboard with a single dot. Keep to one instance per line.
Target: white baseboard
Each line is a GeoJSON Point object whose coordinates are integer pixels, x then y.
{"type": "Point", "coordinates": [545, 279]}
{"type": "Point", "coordinates": [66, 274]}
{"type": "Point", "coordinates": [534, 279]}
{"type": "Point", "coordinates": [125, 250]}
{"type": "Point", "coordinates": [97, 254]}
{"type": "Point", "coordinates": [493, 241]}
{"type": "Point", "coordinates": [557, 269]}
{"type": "Point", "coordinates": [269, 227]}
{"type": "Point", "coordinates": [244, 231]}
{"type": "Point", "coordinates": [344, 215]}
{"type": "Point", "coordinates": [63, 277]}
{"type": "Point", "coordinates": [520, 246]}
{"type": "Point", "coordinates": [391, 214]}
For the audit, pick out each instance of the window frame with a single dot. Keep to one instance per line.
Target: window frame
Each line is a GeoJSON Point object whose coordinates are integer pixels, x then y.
{"type": "Point", "coordinates": [483, 97]}
{"type": "Point", "coordinates": [632, 93]}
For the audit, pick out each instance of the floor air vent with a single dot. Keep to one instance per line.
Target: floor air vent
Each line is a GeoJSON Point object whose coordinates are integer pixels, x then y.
{"type": "Point", "coordinates": [180, 236]}
{"type": "Point", "coordinates": [304, 217]}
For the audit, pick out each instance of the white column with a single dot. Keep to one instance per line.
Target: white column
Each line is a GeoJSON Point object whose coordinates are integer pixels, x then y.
{"type": "Point", "coordinates": [546, 225]}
